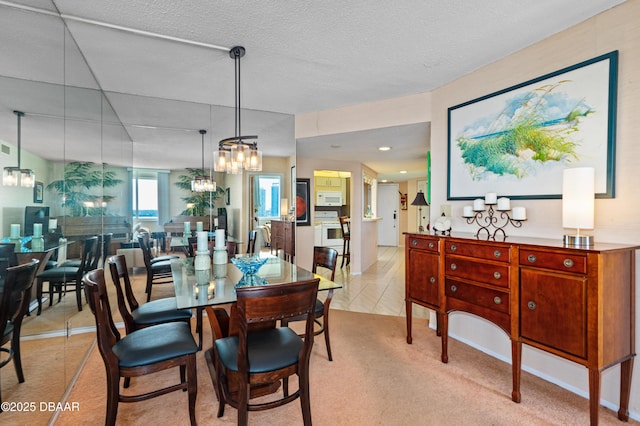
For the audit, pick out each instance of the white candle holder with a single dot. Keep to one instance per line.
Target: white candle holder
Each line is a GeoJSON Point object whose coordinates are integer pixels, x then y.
{"type": "Point", "coordinates": [202, 261]}
{"type": "Point", "coordinates": [492, 221]}
{"type": "Point", "coordinates": [220, 256]}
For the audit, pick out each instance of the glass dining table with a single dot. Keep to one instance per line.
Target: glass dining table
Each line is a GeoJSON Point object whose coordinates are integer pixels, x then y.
{"type": "Point", "coordinates": [216, 286]}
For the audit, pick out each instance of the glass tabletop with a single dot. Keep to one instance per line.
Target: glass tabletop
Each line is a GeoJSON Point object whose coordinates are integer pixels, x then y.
{"type": "Point", "coordinates": [216, 286]}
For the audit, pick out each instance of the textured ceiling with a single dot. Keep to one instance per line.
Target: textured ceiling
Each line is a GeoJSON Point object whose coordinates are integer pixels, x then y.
{"type": "Point", "coordinates": [301, 56]}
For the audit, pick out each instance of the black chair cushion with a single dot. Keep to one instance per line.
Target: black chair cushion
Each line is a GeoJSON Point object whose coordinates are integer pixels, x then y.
{"type": "Point", "coordinates": [164, 266]}
{"type": "Point", "coordinates": [62, 272]}
{"type": "Point", "coordinates": [159, 311]}
{"type": "Point", "coordinates": [163, 258]}
{"type": "Point", "coordinates": [8, 329]}
{"type": "Point", "coordinates": [319, 309]}
{"type": "Point", "coordinates": [154, 344]}
{"type": "Point", "coordinates": [72, 263]}
{"type": "Point", "coordinates": [268, 350]}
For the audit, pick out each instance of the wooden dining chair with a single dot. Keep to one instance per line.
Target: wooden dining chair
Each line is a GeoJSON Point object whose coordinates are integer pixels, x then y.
{"type": "Point", "coordinates": [14, 304]}
{"type": "Point", "coordinates": [138, 316]}
{"type": "Point", "coordinates": [61, 278]}
{"type": "Point", "coordinates": [141, 352]}
{"type": "Point", "coordinates": [345, 226]}
{"type": "Point", "coordinates": [257, 358]}
{"type": "Point", "coordinates": [251, 244]}
{"type": "Point", "coordinates": [153, 258]}
{"type": "Point", "coordinates": [158, 272]}
{"type": "Point", "coordinates": [324, 257]}
{"type": "Point", "coordinates": [7, 257]}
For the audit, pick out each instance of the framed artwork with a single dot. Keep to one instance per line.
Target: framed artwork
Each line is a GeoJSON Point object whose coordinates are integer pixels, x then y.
{"type": "Point", "coordinates": [517, 142]}
{"type": "Point", "coordinates": [38, 192]}
{"type": "Point", "coordinates": [303, 202]}
{"type": "Point", "coordinates": [403, 201]}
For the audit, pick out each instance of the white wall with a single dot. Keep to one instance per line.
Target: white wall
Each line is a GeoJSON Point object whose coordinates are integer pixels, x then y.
{"type": "Point", "coordinates": [616, 219]}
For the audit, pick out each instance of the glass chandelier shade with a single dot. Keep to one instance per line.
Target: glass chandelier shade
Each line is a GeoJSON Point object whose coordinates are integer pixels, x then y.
{"type": "Point", "coordinates": [11, 176]}
{"type": "Point", "coordinates": [238, 152]}
{"type": "Point", "coordinates": [203, 183]}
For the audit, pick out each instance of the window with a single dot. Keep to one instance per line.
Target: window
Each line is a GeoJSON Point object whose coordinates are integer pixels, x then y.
{"type": "Point", "coordinates": [266, 199]}
{"type": "Point", "coordinates": [145, 195]}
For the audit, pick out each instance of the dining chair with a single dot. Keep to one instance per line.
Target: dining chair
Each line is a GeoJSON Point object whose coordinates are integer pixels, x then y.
{"type": "Point", "coordinates": [154, 258]}
{"type": "Point", "coordinates": [60, 278]}
{"type": "Point", "coordinates": [141, 352]}
{"type": "Point", "coordinates": [102, 252]}
{"type": "Point", "coordinates": [158, 272]}
{"type": "Point", "coordinates": [258, 358]}
{"type": "Point", "coordinates": [345, 226]}
{"type": "Point", "coordinates": [325, 257]}
{"type": "Point", "coordinates": [232, 249]}
{"type": "Point", "coordinates": [7, 257]}
{"type": "Point", "coordinates": [251, 244]}
{"type": "Point", "coordinates": [14, 304]}
{"type": "Point", "coordinates": [138, 316]}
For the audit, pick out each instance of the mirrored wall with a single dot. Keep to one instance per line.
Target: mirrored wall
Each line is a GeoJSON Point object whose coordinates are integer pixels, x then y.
{"type": "Point", "coordinates": [85, 144]}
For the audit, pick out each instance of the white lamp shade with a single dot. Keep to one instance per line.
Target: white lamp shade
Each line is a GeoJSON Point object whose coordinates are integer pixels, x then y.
{"type": "Point", "coordinates": [578, 189]}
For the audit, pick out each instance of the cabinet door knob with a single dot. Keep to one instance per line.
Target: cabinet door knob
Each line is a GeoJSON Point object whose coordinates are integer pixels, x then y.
{"type": "Point", "coordinates": [431, 244]}
{"type": "Point", "coordinates": [432, 280]}
{"type": "Point", "coordinates": [454, 266]}
{"type": "Point", "coordinates": [454, 288]}
{"type": "Point", "coordinates": [531, 305]}
{"type": "Point", "coordinates": [497, 300]}
{"type": "Point", "coordinates": [414, 242]}
{"type": "Point", "coordinates": [453, 247]}
{"type": "Point", "coordinates": [497, 275]}
{"type": "Point", "coordinates": [532, 258]}
{"type": "Point", "coordinates": [497, 253]}
{"type": "Point", "coordinates": [568, 263]}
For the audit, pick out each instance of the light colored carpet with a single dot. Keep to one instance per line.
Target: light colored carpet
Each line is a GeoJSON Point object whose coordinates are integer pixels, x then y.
{"type": "Point", "coordinates": [376, 378]}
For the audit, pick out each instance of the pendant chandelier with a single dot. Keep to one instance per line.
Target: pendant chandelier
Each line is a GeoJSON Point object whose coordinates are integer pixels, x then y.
{"type": "Point", "coordinates": [238, 152]}
{"type": "Point", "coordinates": [12, 175]}
{"type": "Point", "coordinates": [203, 183]}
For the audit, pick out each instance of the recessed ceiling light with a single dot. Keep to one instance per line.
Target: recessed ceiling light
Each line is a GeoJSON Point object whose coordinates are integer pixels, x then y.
{"type": "Point", "coordinates": [384, 148]}
{"type": "Point", "coordinates": [403, 171]}
{"type": "Point", "coordinates": [336, 146]}
{"type": "Point", "coordinates": [384, 181]}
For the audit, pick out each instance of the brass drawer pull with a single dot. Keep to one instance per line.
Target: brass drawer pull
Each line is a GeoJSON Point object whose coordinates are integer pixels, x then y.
{"type": "Point", "coordinates": [414, 242]}
{"type": "Point", "coordinates": [497, 275]}
{"type": "Point", "coordinates": [431, 244]}
{"type": "Point", "coordinates": [568, 263]}
{"type": "Point", "coordinates": [497, 253]}
{"type": "Point", "coordinates": [454, 266]}
{"type": "Point", "coordinates": [532, 258]}
{"type": "Point", "coordinates": [497, 300]}
{"type": "Point", "coordinates": [453, 247]}
{"type": "Point", "coordinates": [454, 288]}
{"type": "Point", "coordinates": [432, 279]}
{"type": "Point", "coordinates": [531, 305]}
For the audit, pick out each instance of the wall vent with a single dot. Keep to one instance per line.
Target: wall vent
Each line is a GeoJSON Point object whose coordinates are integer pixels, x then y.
{"type": "Point", "coordinates": [6, 149]}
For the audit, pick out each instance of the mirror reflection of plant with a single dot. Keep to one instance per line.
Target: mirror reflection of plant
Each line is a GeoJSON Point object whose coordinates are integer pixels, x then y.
{"type": "Point", "coordinates": [79, 179]}
{"type": "Point", "coordinates": [202, 201]}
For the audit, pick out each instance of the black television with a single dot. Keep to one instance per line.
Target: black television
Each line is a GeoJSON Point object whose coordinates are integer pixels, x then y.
{"type": "Point", "coordinates": [36, 214]}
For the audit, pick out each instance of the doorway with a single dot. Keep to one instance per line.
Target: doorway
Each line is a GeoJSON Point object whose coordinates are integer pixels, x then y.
{"type": "Point", "coordinates": [388, 204]}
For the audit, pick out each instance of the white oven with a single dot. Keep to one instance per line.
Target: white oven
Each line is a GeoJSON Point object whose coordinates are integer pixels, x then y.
{"type": "Point", "coordinates": [328, 230]}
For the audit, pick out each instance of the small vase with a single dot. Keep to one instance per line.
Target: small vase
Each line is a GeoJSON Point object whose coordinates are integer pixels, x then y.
{"type": "Point", "coordinates": [202, 261]}
{"type": "Point", "coordinates": [220, 256]}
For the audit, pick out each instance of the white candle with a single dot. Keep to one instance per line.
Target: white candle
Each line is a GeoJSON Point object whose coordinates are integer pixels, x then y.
{"type": "Point", "coordinates": [37, 230]}
{"type": "Point", "coordinates": [467, 211]}
{"type": "Point", "coordinates": [202, 241]}
{"type": "Point", "coordinates": [187, 229]}
{"type": "Point", "coordinates": [519, 213]}
{"type": "Point", "coordinates": [53, 224]}
{"type": "Point", "coordinates": [504, 204]}
{"type": "Point", "coordinates": [478, 204]}
{"type": "Point", "coordinates": [220, 238]}
{"type": "Point", "coordinates": [199, 226]}
{"type": "Point", "coordinates": [15, 230]}
{"type": "Point", "coordinates": [490, 198]}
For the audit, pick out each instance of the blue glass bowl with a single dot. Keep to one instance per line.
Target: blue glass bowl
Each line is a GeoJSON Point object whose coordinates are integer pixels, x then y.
{"type": "Point", "coordinates": [248, 265]}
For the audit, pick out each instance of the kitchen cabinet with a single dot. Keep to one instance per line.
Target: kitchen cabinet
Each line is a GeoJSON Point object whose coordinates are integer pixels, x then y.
{"type": "Point", "coordinates": [576, 303]}
{"type": "Point", "coordinates": [330, 182]}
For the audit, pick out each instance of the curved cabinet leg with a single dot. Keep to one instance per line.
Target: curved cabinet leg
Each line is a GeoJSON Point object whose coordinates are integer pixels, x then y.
{"type": "Point", "coordinates": [516, 364]}
{"type": "Point", "coordinates": [409, 315]}
{"type": "Point", "coordinates": [626, 371]}
{"type": "Point", "coordinates": [443, 321]}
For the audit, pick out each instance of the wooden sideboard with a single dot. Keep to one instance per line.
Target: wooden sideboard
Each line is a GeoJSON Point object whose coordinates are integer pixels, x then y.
{"type": "Point", "coordinates": [283, 237]}
{"type": "Point", "coordinates": [576, 303]}
{"type": "Point", "coordinates": [80, 228]}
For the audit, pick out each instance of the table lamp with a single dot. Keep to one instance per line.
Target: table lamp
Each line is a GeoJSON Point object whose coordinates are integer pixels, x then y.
{"type": "Point", "coordinates": [420, 201]}
{"type": "Point", "coordinates": [578, 187]}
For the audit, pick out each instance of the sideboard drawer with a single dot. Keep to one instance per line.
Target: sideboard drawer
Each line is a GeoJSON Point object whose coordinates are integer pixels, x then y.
{"type": "Point", "coordinates": [490, 273]}
{"type": "Point", "coordinates": [495, 252]}
{"type": "Point", "coordinates": [565, 262]}
{"type": "Point", "coordinates": [495, 300]}
{"type": "Point", "coordinates": [426, 243]}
